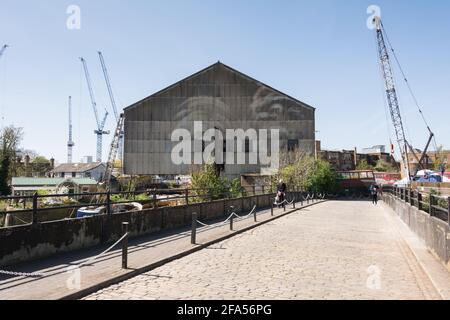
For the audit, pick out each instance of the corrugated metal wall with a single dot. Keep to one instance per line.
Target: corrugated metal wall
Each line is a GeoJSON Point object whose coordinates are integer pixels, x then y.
{"type": "Point", "coordinates": [222, 99]}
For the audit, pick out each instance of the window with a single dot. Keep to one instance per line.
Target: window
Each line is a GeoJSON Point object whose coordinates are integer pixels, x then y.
{"type": "Point", "coordinates": [74, 174]}
{"type": "Point", "coordinates": [292, 145]}
{"type": "Point", "coordinates": [247, 145]}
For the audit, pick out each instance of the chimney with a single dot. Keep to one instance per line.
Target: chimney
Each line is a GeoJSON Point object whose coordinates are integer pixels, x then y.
{"type": "Point", "coordinates": [52, 163]}
{"type": "Point", "coordinates": [318, 148]}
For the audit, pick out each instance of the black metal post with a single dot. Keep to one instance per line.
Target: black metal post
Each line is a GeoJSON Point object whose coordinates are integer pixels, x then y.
{"type": "Point", "coordinates": [35, 208]}
{"type": "Point", "coordinates": [271, 208]}
{"type": "Point", "coordinates": [125, 245]}
{"type": "Point", "coordinates": [155, 199]}
{"type": "Point", "coordinates": [431, 205]}
{"type": "Point", "coordinates": [448, 210]}
{"type": "Point", "coordinates": [108, 202]}
{"type": "Point", "coordinates": [254, 216]}
{"type": "Point", "coordinates": [419, 200]}
{"type": "Point", "coordinates": [194, 228]}
{"type": "Point", "coordinates": [231, 222]}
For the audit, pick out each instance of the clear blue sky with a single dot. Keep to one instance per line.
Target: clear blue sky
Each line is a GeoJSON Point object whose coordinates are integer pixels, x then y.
{"type": "Point", "coordinates": [320, 52]}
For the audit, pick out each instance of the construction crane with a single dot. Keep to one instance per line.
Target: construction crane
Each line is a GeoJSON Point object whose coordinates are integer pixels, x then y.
{"type": "Point", "coordinates": [2, 50]}
{"type": "Point", "coordinates": [113, 101]}
{"type": "Point", "coordinates": [100, 124]}
{"type": "Point", "coordinates": [113, 152]}
{"type": "Point", "coordinates": [70, 143]}
{"type": "Point", "coordinates": [394, 106]}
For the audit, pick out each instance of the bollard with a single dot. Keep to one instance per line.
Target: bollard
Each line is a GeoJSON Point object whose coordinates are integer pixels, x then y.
{"type": "Point", "coordinates": [231, 223]}
{"type": "Point", "coordinates": [125, 246]}
{"type": "Point", "coordinates": [194, 228]}
{"type": "Point", "coordinates": [271, 210]}
{"type": "Point", "coordinates": [293, 203]}
{"type": "Point", "coordinates": [254, 216]}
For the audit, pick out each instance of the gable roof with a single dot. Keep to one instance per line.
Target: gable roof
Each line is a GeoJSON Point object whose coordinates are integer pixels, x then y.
{"type": "Point", "coordinates": [76, 167]}
{"type": "Point", "coordinates": [220, 64]}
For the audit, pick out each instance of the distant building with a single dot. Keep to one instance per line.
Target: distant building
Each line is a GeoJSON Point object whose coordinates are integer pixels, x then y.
{"type": "Point", "coordinates": [29, 186]}
{"type": "Point", "coordinates": [374, 150]}
{"type": "Point", "coordinates": [221, 98]}
{"type": "Point", "coordinates": [95, 170]}
{"type": "Point", "coordinates": [345, 160]}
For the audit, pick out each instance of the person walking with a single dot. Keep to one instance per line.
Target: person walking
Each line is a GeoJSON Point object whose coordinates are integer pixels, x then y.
{"type": "Point", "coordinates": [374, 194]}
{"type": "Point", "coordinates": [281, 192]}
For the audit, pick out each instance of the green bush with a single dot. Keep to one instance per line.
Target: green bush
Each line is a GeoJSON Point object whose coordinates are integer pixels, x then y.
{"type": "Point", "coordinates": [207, 185]}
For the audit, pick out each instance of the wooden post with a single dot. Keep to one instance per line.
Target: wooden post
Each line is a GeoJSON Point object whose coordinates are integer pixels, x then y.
{"type": "Point", "coordinates": [194, 228]}
{"type": "Point", "coordinates": [125, 246]}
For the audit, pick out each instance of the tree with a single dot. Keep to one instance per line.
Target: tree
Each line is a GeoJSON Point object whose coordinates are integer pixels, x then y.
{"type": "Point", "coordinates": [440, 159]}
{"type": "Point", "coordinates": [383, 166]}
{"type": "Point", "coordinates": [5, 188]}
{"type": "Point", "coordinates": [40, 166]}
{"type": "Point", "coordinates": [306, 173]}
{"type": "Point", "coordinates": [10, 139]}
{"type": "Point", "coordinates": [208, 185]}
{"type": "Point", "coordinates": [364, 165]}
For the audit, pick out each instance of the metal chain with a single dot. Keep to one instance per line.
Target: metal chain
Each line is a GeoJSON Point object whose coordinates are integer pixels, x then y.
{"type": "Point", "coordinates": [21, 274]}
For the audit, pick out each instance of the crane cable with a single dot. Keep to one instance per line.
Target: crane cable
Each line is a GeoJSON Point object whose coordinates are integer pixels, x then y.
{"type": "Point", "coordinates": [409, 86]}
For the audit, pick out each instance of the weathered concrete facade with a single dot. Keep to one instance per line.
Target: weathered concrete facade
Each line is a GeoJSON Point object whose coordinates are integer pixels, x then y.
{"type": "Point", "coordinates": [222, 98]}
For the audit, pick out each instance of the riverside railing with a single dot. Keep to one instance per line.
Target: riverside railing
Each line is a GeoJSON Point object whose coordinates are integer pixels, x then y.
{"type": "Point", "coordinates": [32, 206]}
{"type": "Point", "coordinates": [435, 205]}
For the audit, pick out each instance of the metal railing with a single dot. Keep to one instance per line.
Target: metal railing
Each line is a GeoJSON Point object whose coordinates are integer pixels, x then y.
{"type": "Point", "coordinates": [435, 205]}
{"type": "Point", "coordinates": [33, 205]}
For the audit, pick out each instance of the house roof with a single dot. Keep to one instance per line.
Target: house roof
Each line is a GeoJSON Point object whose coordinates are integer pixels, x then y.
{"type": "Point", "coordinates": [76, 167]}
{"type": "Point", "coordinates": [220, 64]}
{"type": "Point", "coordinates": [23, 181]}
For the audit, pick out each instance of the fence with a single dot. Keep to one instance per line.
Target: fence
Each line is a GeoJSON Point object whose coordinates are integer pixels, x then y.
{"type": "Point", "coordinates": [185, 196]}
{"type": "Point", "coordinates": [434, 205]}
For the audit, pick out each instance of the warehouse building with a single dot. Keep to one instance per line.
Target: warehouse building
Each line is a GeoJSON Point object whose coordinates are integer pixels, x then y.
{"type": "Point", "coordinates": [218, 98]}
